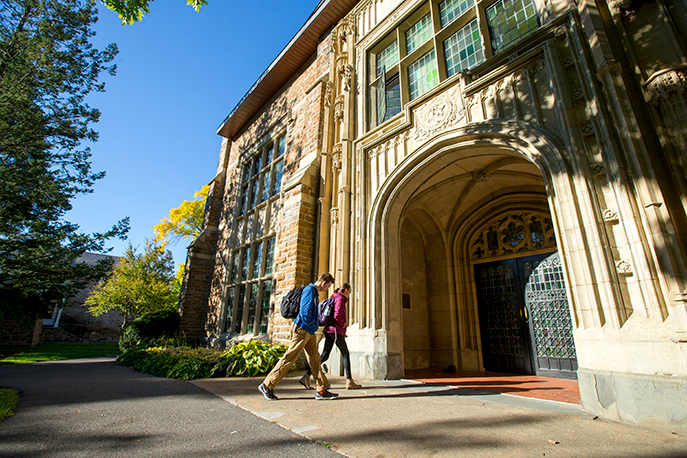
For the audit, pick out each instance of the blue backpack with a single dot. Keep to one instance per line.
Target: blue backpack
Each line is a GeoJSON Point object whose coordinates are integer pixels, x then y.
{"type": "Point", "coordinates": [325, 312]}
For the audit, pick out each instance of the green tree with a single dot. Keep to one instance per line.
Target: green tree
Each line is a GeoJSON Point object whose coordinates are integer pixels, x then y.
{"type": "Point", "coordinates": [47, 68]}
{"type": "Point", "coordinates": [140, 283]}
{"type": "Point", "coordinates": [178, 279]}
{"type": "Point", "coordinates": [184, 222]}
{"type": "Point", "coordinates": [131, 11]}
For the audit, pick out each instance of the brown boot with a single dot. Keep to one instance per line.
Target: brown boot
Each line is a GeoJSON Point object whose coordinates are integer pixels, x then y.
{"type": "Point", "coordinates": [305, 381]}
{"type": "Point", "coordinates": [351, 385]}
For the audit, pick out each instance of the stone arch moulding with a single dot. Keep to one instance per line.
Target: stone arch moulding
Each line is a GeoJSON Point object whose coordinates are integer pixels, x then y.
{"type": "Point", "coordinates": [568, 196]}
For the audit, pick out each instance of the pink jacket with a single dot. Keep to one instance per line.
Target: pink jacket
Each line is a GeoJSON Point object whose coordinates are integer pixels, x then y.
{"type": "Point", "coordinates": [339, 315]}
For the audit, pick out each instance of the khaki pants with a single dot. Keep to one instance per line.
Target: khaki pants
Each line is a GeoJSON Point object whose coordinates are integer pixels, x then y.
{"type": "Point", "coordinates": [300, 340]}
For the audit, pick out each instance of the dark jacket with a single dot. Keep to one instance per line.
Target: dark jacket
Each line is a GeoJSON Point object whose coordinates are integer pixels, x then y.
{"type": "Point", "coordinates": [339, 315]}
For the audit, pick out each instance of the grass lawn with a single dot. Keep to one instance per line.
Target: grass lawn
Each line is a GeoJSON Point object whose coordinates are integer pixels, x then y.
{"type": "Point", "coordinates": [54, 352]}
{"type": "Point", "coordinates": [8, 401]}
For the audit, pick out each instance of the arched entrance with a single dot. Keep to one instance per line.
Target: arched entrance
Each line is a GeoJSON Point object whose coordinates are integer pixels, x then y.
{"type": "Point", "coordinates": [424, 221]}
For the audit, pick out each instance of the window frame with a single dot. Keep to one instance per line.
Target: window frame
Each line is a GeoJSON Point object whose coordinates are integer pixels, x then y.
{"type": "Point", "coordinates": [437, 42]}
{"type": "Point", "coordinates": [246, 274]}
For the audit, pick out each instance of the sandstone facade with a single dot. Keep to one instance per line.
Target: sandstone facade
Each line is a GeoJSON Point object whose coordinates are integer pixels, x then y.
{"type": "Point", "coordinates": [504, 183]}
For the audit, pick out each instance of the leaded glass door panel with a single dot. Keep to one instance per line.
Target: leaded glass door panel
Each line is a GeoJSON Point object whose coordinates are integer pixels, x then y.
{"type": "Point", "coordinates": [549, 316]}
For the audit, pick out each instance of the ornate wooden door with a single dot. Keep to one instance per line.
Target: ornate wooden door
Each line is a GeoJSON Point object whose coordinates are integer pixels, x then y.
{"type": "Point", "coordinates": [505, 334]}
{"type": "Point", "coordinates": [524, 316]}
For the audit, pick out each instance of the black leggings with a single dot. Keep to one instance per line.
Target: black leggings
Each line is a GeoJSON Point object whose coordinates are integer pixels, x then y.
{"type": "Point", "coordinates": [343, 348]}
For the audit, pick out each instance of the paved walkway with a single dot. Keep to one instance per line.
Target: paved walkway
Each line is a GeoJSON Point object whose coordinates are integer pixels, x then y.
{"type": "Point", "coordinates": [94, 408]}
{"type": "Point", "coordinates": [411, 419]}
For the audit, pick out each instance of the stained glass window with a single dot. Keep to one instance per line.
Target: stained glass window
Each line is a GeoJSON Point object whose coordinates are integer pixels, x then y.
{"type": "Point", "coordinates": [509, 21]}
{"type": "Point", "coordinates": [423, 75]}
{"type": "Point", "coordinates": [387, 58]}
{"type": "Point", "coordinates": [463, 50]}
{"type": "Point", "coordinates": [420, 32]}
{"type": "Point", "coordinates": [265, 308]}
{"type": "Point", "coordinates": [452, 9]}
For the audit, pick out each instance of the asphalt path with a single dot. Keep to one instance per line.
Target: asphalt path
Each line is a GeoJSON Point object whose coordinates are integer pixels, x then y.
{"type": "Point", "coordinates": [95, 408]}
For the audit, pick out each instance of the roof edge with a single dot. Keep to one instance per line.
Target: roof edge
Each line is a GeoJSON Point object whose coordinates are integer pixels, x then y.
{"type": "Point", "coordinates": [267, 85]}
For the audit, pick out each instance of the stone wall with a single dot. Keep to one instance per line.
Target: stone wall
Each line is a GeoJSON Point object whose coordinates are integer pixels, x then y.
{"type": "Point", "coordinates": [199, 264]}
{"type": "Point", "coordinates": [297, 109]}
{"type": "Point", "coordinates": [14, 333]}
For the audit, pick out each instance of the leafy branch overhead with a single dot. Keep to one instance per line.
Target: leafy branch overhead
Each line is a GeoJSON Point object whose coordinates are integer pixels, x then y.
{"type": "Point", "coordinates": [131, 11]}
{"type": "Point", "coordinates": [48, 67]}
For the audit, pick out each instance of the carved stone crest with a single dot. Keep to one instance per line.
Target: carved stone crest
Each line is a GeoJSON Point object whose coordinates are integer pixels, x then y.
{"type": "Point", "coordinates": [670, 82]}
{"type": "Point", "coordinates": [610, 215]}
{"type": "Point", "coordinates": [438, 114]}
{"type": "Point", "coordinates": [336, 157]}
{"type": "Point", "coordinates": [623, 267]}
{"type": "Point", "coordinates": [598, 169]}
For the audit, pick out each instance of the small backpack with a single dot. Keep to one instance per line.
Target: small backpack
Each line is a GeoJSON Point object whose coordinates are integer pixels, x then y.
{"type": "Point", "coordinates": [325, 312]}
{"type": "Point", "coordinates": [291, 303]}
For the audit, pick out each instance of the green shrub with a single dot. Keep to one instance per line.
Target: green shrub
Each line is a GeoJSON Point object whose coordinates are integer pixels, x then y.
{"type": "Point", "coordinates": [181, 363]}
{"type": "Point", "coordinates": [149, 327]}
{"type": "Point", "coordinates": [249, 359]}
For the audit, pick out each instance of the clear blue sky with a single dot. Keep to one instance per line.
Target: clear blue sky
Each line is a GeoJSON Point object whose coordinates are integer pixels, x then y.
{"type": "Point", "coordinates": [179, 74]}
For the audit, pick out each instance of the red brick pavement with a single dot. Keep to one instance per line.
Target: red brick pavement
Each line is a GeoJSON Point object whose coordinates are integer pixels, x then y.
{"type": "Point", "coordinates": [549, 388]}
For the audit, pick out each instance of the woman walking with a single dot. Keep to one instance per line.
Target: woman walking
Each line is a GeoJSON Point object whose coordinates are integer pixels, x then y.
{"type": "Point", "coordinates": [335, 333]}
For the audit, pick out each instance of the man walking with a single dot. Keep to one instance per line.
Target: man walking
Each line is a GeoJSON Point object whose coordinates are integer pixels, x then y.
{"type": "Point", "coordinates": [303, 338]}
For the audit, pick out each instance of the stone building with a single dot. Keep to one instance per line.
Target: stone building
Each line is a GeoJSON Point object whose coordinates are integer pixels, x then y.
{"type": "Point", "coordinates": [503, 182]}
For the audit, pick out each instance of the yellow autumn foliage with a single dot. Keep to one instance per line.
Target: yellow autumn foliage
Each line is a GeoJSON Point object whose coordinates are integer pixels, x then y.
{"type": "Point", "coordinates": [184, 222]}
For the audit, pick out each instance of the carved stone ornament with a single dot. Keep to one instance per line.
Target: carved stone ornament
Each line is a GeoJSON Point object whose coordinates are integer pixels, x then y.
{"type": "Point", "coordinates": [332, 41]}
{"type": "Point", "coordinates": [336, 158]}
{"type": "Point", "coordinates": [334, 213]}
{"type": "Point", "coordinates": [511, 233]}
{"type": "Point", "coordinates": [339, 108]}
{"type": "Point", "coordinates": [607, 65]}
{"type": "Point", "coordinates": [438, 114]}
{"type": "Point", "coordinates": [569, 62]}
{"type": "Point", "coordinates": [587, 130]}
{"type": "Point", "coordinates": [623, 267]}
{"type": "Point", "coordinates": [578, 94]}
{"type": "Point", "coordinates": [621, 8]}
{"type": "Point", "coordinates": [667, 84]}
{"type": "Point", "coordinates": [610, 215]}
{"type": "Point", "coordinates": [536, 67]}
{"type": "Point", "coordinates": [328, 87]}
{"type": "Point", "coordinates": [482, 176]}
{"type": "Point", "coordinates": [560, 33]}
{"type": "Point", "coordinates": [598, 169]}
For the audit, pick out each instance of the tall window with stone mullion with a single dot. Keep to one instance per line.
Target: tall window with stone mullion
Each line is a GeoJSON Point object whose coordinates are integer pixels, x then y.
{"type": "Point", "coordinates": [437, 40]}
{"type": "Point", "coordinates": [510, 21]}
{"type": "Point", "coordinates": [423, 75]}
{"type": "Point", "coordinates": [463, 49]}
{"type": "Point", "coordinates": [250, 269]}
